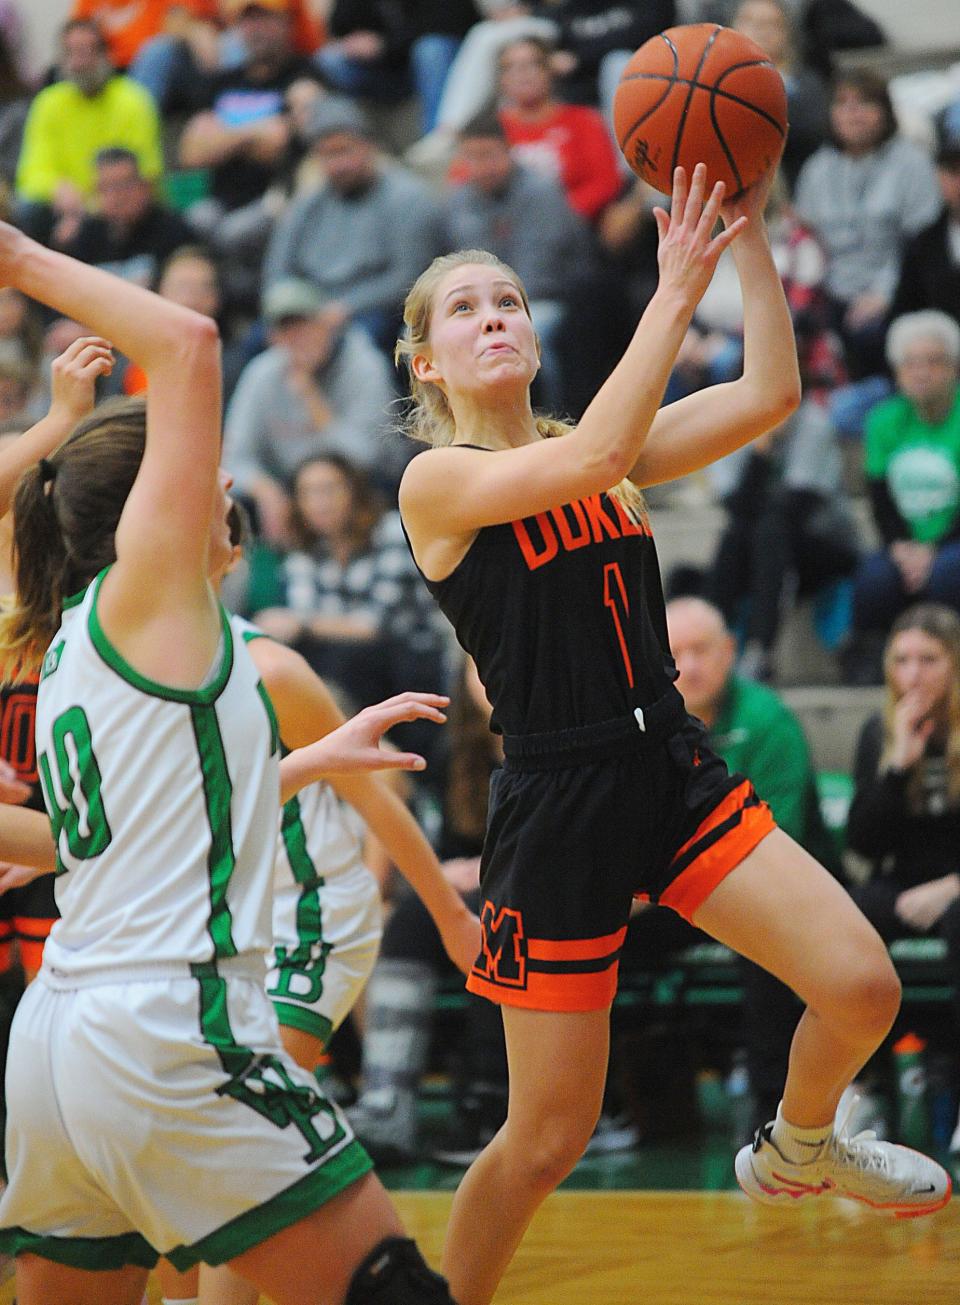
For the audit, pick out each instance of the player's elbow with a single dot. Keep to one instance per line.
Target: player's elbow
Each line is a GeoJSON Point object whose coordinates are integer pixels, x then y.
{"type": "Point", "coordinates": [777, 400]}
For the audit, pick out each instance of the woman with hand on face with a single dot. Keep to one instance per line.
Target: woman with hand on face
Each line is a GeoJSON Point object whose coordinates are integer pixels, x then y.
{"type": "Point", "coordinates": [905, 815]}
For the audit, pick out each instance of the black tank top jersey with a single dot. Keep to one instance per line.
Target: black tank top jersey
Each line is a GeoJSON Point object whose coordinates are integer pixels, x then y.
{"type": "Point", "coordinates": [563, 614]}
{"type": "Point", "coordinates": [18, 743]}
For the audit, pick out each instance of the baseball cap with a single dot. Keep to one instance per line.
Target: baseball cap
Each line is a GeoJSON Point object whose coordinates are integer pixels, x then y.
{"type": "Point", "coordinates": [947, 146]}
{"type": "Point", "coordinates": [332, 114]}
{"type": "Point", "coordinates": [291, 297]}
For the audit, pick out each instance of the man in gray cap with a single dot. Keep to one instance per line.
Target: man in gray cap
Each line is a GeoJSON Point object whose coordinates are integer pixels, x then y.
{"type": "Point", "coordinates": [930, 273]}
{"type": "Point", "coordinates": [321, 387]}
{"type": "Point", "coordinates": [364, 234]}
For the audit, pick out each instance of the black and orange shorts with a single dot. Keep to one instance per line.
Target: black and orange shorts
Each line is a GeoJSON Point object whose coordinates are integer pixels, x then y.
{"type": "Point", "coordinates": [27, 915]}
{"type": "Point", "coordinates": [583, 822]}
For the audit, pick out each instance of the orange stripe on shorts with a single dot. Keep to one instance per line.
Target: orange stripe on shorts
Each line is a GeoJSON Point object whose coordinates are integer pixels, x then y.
{"type": "Point", "coordinates": [575, 949]}
{"type": "Point", "coordinates": [694, 885]}
{"type": "Point", "coordinates": [553, 992]}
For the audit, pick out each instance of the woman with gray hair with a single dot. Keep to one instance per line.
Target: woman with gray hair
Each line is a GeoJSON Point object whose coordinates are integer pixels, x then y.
{"type": "Point", "coordinates": [930, 325]}
{"type": "Point", "coordinates": [912, 463]}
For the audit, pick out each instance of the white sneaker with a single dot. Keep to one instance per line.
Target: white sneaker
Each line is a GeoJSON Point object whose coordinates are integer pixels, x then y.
{"type": "Point", "coordinates": [891, 1179]}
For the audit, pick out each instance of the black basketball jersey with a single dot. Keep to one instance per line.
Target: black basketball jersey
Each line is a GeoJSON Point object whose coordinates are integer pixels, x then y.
{"type": "Point", "coordinates": [563, 614]}
{"type": "Point", "coordinates": [18, 744]}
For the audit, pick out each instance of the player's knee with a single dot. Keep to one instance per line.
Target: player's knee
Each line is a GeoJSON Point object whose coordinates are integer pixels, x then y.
{"type": "Point", "coordinates": [868, 995]}
{"type": "Point", "coordinates": [395, 1273]}
{"type": "Point", "coordinates": [559, 1145]}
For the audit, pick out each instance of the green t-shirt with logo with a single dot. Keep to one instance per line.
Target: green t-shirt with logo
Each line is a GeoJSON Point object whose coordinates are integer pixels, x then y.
{"type": "Point", "coordinates": [920, 464]}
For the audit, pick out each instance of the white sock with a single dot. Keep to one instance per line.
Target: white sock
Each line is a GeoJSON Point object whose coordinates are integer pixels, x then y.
{"type": "Point", "coordinates": [799, 1145]}
{"type": "Point", "coordinates": [179, 1300]}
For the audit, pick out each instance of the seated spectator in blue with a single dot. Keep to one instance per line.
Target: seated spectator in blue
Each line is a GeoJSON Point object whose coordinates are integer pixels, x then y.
{"type": "Point", "coordinates": [199, 38]}
{"type": "Point", "coordinates": [91, 107]}
{"type": "Point", "coordinates": [912, 465]}
{"type": "Point", "coordinates": [524, 218]}
{"type": "Point", "coordinates": [905, 814]}
{"type": "Point", "coordinates": [930, 277]}
{"type": "Point", "coordinates": [320, 388]}
{"type": "Point", "coordinates": [437, 29]}
{"type": "Point", "coordinates": [364, 234]}
{"type": "Point", "coordinates": [132, 233]}
{"type": "Point", "coordinates": [789, 532]}
{"type": "Point", "coordinates": [864, 195]}
{"type": "Point", "coordinates": [243, 132]}
{"type": "Point", "coordinates": [756, 734]}
{"type": "Point", "coordinates": [368, 48]}
{"type": "Point", "coordinates": [350, 598]}
{"type": "Point", "coordinates": [770, 23]}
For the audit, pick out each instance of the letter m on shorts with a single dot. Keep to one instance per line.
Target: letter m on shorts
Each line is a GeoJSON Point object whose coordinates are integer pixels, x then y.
{"type": "Point", "coordinates": [503, 951]}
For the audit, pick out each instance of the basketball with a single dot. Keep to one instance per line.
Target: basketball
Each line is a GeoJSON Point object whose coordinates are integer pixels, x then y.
{"type": "Point", "coordinates": [700, 94]}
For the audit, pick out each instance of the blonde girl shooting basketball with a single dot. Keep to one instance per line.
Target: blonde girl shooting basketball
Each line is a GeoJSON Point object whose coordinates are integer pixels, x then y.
{"type": "Point", "coordinates": [151, 1106]}
{"type": "Point", "coordinates": [539, 552]}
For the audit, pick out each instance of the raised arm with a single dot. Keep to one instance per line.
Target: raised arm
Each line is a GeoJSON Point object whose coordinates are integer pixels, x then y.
{"type": "Point", "coordinates": [306, 711]}
{"type": "Point", "coordinates": [73, 378]}
{"type": "Point", "coordinates": [608, 441]}
{"type": "Point", "coordinates": [699, 429]}
{"type": "Point", "coordinates": [163, 535]}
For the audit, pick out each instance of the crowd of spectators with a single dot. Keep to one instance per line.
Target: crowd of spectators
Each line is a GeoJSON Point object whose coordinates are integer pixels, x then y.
{"type": "Point", "coordinates": [289, 167]}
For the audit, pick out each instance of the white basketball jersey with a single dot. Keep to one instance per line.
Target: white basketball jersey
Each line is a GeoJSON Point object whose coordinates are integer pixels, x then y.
{"type": "Point", "coordinates": [163, 802]}
{"type": "Point", "coordinates": [318, 829]}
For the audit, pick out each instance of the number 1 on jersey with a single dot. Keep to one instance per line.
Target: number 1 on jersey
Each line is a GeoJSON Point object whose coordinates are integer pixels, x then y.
{"type": "Point", "coordinates": [615, 598]}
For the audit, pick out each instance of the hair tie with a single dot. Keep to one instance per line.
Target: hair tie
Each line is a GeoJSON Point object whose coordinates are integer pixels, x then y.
{"type": "Point", "coordinates": [48, 471]}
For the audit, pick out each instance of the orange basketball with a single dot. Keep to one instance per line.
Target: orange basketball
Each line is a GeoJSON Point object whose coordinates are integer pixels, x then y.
{"type": "Point", "coordinates": [700, 94]}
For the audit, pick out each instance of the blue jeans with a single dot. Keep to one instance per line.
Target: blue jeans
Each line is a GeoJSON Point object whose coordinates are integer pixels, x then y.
{"type": "Point", "coordinates": [164, 63]}
{"type": "Point", "coordinates": [879, 595]}
{"type": "Point", "coordinates": [352, 77]}
{"type": "Point", "coordinates": [430, 60]}
{"type": "Point", "coordinates": [849, 404]}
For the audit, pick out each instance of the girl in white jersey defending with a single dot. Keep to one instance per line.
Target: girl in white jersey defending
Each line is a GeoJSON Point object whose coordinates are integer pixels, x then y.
{"type": "Point", "coordinates": [326, 904]}
{"type": "Point", "coordinates": [534, 541]}
{"type": "Point", "coordinates": [152, 1108]}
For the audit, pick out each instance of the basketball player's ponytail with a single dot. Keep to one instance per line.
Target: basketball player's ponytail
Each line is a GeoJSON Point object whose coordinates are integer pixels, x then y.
{"type": "Point", "coordinates": [31, 616]}
{"type": "Point", "coordinates": [65, 515]}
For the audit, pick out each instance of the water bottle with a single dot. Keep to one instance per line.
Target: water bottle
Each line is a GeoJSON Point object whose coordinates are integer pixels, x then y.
{"type": "Point", "coordinates": [913, 1116]}
{"type": "Point", "coordinates": [739, 1099]}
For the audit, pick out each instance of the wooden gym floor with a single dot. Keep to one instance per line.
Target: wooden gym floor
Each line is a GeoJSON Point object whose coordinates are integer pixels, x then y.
{"type": "Point", "coordinates": [709, 1248]}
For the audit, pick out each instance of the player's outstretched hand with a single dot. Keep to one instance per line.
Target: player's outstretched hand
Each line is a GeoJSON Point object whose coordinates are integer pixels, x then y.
{"type": "Point", "coordinates": [355, 745]}
{"type": "Point", "coordinates": [688, 249]}
{"type": "Point", "coordinates": [74, 375]}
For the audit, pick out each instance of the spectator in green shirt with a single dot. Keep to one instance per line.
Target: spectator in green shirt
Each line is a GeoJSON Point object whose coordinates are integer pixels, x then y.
{"type": "Point", "coordinates": [92, 108]}
{"type": "Point", "coordinates": [755, 733]}
{"type": "Point", "coordinates": [912, 463]}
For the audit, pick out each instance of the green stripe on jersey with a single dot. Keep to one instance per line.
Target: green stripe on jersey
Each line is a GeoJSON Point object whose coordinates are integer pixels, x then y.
{"type": "Point", "coordinates": [309, 911]}
{"type": "Point", "coordinates": [271, 717]}
{"type": "Point", "coordinates": [208, 694]}
{"type": "Point", "coordinates": [217, 792]}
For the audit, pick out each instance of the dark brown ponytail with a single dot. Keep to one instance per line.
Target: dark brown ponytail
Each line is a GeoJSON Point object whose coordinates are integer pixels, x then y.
{"type": "Point", "coordinates": [65, 515]}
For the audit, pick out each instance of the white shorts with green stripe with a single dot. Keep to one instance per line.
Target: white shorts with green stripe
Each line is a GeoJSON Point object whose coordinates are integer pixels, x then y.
{"type": "Point", "coordinates": [155, 1112]}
